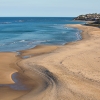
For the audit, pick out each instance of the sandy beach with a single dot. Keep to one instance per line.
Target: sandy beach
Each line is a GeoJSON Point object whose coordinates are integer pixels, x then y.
{"type": "Point", "coordinates": [69, 72]}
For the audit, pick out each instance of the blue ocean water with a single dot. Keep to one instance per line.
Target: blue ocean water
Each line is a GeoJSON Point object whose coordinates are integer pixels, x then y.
{"type": "Point", "coordinates": [20, 33]}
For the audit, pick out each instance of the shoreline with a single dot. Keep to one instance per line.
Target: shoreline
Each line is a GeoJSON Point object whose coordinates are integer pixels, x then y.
{"type": "Point", "coordinates": [56, 64]}
{"type": "Point", "coordinates": [44, 46]}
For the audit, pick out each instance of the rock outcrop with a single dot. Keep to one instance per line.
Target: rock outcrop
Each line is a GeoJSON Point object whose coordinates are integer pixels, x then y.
{"type": "Point", "coordinates": [89, 17]}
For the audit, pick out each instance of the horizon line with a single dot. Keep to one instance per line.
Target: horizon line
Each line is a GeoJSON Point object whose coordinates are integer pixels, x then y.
{"type": "Point", "coordinates": [37, 16]}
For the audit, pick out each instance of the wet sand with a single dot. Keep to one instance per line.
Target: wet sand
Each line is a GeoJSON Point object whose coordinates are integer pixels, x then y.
{"type": "Point", "coordinates": [69, 72]}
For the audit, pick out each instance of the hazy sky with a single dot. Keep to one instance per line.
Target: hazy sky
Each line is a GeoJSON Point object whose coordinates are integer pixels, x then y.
{"type": "Point", "coordinates": [52, 8]}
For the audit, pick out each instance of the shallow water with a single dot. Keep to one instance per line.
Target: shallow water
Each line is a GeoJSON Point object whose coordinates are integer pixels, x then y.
{"type": "Point", "coordinates": [20, 33]}
{"type": "Point", "coordinates": [27, 56]}
{"type": "Point", "coordinates": [17, 85]}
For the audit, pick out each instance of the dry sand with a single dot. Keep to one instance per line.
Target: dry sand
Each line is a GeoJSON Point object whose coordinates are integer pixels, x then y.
{"type": "Point", "coordinates": [69, 72]}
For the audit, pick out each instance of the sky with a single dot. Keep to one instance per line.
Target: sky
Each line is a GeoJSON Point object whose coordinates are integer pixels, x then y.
{"type": "Point", "coordinates": [48, 8]}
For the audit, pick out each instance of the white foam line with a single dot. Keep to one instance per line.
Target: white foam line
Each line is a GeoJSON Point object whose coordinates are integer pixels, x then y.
{"type": "Point", "coordinates": [78, 36]}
